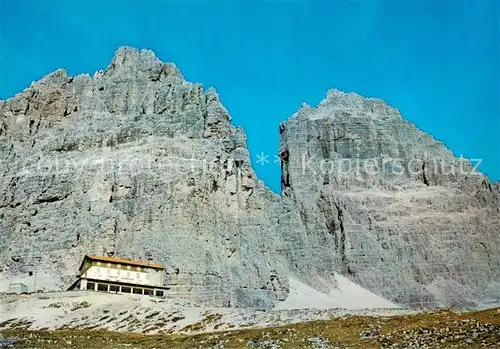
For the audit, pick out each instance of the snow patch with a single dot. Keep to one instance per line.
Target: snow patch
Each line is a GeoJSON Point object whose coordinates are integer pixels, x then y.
{"type": "Point", "coordinates": [347, 295]}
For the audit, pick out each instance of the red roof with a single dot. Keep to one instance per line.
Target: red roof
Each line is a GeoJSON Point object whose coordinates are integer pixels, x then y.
{"type": "Point", "coordinates": [121, 261]}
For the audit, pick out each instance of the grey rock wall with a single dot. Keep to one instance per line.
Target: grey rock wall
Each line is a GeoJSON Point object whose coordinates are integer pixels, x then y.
{"type": "Point", "coordinates": [399, 213]}
{"type": "Point", "coordinates": [136, 162]}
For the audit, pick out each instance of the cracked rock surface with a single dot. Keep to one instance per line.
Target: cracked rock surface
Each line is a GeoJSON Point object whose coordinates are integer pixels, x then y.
{"type": "Point", "coordinates": [398, 212]}
{"type": "Point", "coordinates": [138, 163]}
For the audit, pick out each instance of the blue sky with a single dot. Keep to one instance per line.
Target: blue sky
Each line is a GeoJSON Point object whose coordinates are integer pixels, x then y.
{"type": "Point", "coordinates": [438, 61]}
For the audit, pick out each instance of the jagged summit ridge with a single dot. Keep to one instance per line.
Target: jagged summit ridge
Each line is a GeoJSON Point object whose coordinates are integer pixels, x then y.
{"type": "Point", "coordinates": [126, 60]}
{"type": "Point", "coordinates": [139, 163]}
{"type": "Point", "coordinates": [400, 214]}
{"type": "Point", "coordinates": [339, 103]}
{"type": "Point", "coordinates": [136, 162]}
{"type": "Point", "coordinates": [367, 131]}
{"type": "Point", "coordinates": [137, 86]}
{"type": "Point", "coordinates": [130, 59]}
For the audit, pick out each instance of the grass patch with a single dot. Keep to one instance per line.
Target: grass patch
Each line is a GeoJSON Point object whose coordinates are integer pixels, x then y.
{"type": "Point", "coordinates": [153, 314]}
{"type": "Point", "coordinates": [53, 305]}
{"type": "Point", "coordinates": [176, 318]}
{"type": "Point", "coordinates": [6, 323]}
{"type": "Point", "coordinates": [208, 319]}
{"type": "Point", "coordinates": [80, 305]}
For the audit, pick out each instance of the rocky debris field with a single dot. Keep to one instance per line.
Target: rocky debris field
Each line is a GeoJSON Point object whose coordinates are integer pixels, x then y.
{"type": "Point", "coordinates": [442, 329]}
{"type": "Point", "coordinates": [147, 315]}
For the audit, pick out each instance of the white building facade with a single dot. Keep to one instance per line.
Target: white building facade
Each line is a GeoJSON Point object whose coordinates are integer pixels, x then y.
{"type": "Point", "coordinates": [116, 275]}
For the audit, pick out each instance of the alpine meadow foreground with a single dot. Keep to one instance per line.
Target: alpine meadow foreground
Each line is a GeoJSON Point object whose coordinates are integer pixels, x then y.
{"type": "Point", "coordinates": [442, 329]}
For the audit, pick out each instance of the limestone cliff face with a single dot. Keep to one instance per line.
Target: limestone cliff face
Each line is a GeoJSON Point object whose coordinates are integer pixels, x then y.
{"type": "Point", "coordinates": [138, 163]}
{"type": "Point", "coordinates": [400, 214]}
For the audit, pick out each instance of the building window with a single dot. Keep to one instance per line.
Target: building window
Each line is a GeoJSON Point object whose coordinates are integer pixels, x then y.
{"type": "Point", "coordinates": [126, 289]}
{"type": "Point", "coordinates": [109, 265]}
{"type": "Point", "coordinates": [114, 288]}
{"type": "Point", "coordinates": [118, 273]}
{"type": "Point", "coordinates": [98, 263]}
{"type": "Point", "coordinates": [129, 267]}
{"type": "Point", "coordinates": [119, 266]}
{"type": "Point", "coordinates": [128, 274]}
{"type": "Point", "coordinates": [90, 286]}
{"type": "Point", "coordinates": [108, 271]}
{"type": "Point", "coordinates": [159, 293]}
{"type": "Point", "coordinates": [102, 287]}
{"type": "Point", "coordinates": [148, 292]}
{"type": "Point", "coordinates": [137, 290]}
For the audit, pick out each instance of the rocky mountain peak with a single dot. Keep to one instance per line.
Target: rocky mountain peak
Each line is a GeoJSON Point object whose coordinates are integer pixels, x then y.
{"type": "Point", "coordinates": [400, 214]}
{"type": "Point", "coordinates": [128, 60]}
{"type": "Point", "coordinates": [138, 163]}
{"type": "Point", "coordinates": [341, 104]}
{"type": "Point", "coordinates": [56, 78]}
{"type": "Point", "coordinates": [136, 96]}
